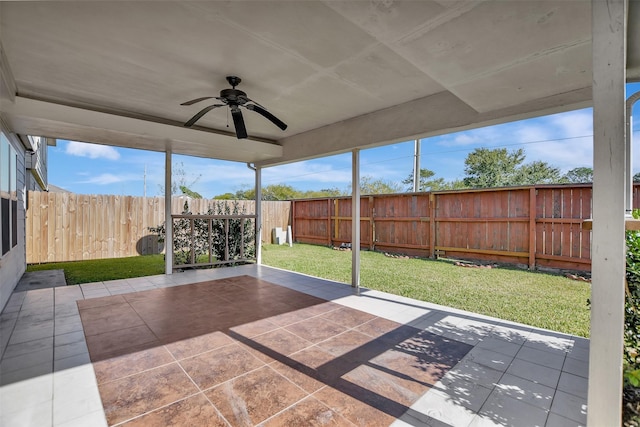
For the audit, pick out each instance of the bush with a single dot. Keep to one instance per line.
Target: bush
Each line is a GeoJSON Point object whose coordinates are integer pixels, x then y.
{"type": "Point", "coordinates": [237, 235]}
{"type": "Point", "coordinates": [631, 355]}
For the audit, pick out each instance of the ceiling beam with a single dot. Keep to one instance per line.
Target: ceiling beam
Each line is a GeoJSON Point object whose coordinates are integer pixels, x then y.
{"type": "Point", "coordinates": [40, 118]}
{"type": "Point", "coordinates": [8, 88]}
{"type": "Point", "coordinates": [438, 114]}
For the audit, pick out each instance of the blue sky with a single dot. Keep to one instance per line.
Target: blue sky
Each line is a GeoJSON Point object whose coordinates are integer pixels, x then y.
{"type": "Point", "coordinates": [562, 140]}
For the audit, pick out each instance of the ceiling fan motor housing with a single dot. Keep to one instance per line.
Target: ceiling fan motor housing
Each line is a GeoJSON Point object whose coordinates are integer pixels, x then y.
{"type": "Point", "coordinates": [233, 96]}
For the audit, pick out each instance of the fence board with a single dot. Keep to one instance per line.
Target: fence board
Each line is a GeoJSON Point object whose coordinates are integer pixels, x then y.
{"type": "Point", "coordinates": [536, 226]}
{"type": "Point", "coordinates": [72, 227]}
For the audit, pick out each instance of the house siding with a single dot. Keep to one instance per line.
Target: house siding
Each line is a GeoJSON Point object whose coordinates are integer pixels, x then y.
{"type": "Point", "coordinates": [13, 263]}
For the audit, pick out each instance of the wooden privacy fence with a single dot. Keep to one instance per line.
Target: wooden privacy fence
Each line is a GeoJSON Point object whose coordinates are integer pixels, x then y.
{"type": "Point", "coordinates": [540, 226]}
{"type": "Point", "coordinates": [73, 227]}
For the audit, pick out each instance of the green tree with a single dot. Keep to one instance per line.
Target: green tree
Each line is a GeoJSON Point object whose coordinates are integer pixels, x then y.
{"type": "Point", "coordinates": [636, 177]}
{"type": "Point", "coordinates": [325, 192]}
{"type": "Point", "coordinates": [190, 193]}
{"type": "Point", "coordinates": [537, 172]}
{"type": "Point", "coordinates": [486, 168]}
{"type": "Point", "coordinates": [280, 192]}
{"type": "Point", "coordinates": [226, 196]}
{"type": "Point", "coordinates": [426, 181]}
{"type": "Point", "coordinates": [579, 175]}
{"type": "Point", "coordinates": [456, 184]}
{"type": "Point", "coordinates": [270, 192]}
{"type": "Point", "coordinates": [369, 185]}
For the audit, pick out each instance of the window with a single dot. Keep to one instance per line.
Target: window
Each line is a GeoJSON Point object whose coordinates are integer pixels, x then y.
{"type": "Point", "coordinates": [8, 195]}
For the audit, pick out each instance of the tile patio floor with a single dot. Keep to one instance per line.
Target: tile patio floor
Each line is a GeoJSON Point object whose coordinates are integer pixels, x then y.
{"type": "Point", "coordinates": [254, 345]}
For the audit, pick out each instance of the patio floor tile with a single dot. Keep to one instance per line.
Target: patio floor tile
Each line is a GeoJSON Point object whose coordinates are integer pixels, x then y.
{"type": "Point", "coordinates": [378, 382]}
{"type": "Point", "coordinates": [214, 367]}
{"type": "Point", "coordinates": [315, 329]}
{"type": "Point", "coordinates": [305, 382]}
{"type": "Point", "coordinates": [573, 384]}
{"type": "Point", "coordinates": [356, 411]}
{"type": "Point", "coordinates": [252, 398]}
{"type": "Point", "coordinates": [348, 317]}
{"type": "Point", "coordinates": [525, 390]}
{"type": "Point", "coordinates": [309, 412]}
{"type": "Point", "coordinates": [28, 347]}
{"type": "Point", "coordinates": [119, 367]}
{"type": "Point", "coordinates": [282, 341]}
{"type": "Point", "coordinates": [197, 345]}
{"type": "Point", "coordinates": [39, 415]}
{"type": "Point", "coordinates": [132, 396]}
{"type": "Point", "coordinates": [123, 341]}
{"type": "Point", "coordinates": [503, 410]}
{"type": "Point", "coordinates": [345, 342]}
{"type": "Point", "coordinates": [569, 406]}
{"type": "Point", "coordinates": [378, 327]}
{"type": "Point", "coordinates": [252, 329]}
{"type": "Point", "coordinates": [194, 411]}
{"type": "Point", "coordinates": [534, 372]}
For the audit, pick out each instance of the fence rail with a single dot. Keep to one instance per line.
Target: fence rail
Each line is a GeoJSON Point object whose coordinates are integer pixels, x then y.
{"type": "Point", "coordinates": [73, 227]}
{"type": "Point", "coordinates": [539, 226]}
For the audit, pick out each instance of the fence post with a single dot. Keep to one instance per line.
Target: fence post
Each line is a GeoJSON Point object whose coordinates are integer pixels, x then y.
{"type": "Point", "coordinates": [329, 239]}
{"type": "Point", "coordinates": [336, 224]}
{"type": "Point", "coordinates": [293, 220]}
{"type": "Point", "coordinates": [372, 222]}
{"type": "Point", "coordinates": [432, 225]}
{"type": "Point", "coordinates": [532, 227]}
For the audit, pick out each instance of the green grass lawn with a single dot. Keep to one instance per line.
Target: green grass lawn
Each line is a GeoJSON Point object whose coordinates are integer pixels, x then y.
{"type": "Point", "coordinates": [98, 270]}
{"type": "Point", "coordinates": [537, 299]}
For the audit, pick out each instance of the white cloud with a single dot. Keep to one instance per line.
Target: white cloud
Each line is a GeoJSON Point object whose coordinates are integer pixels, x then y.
{"type": "Point", "coordinates": [574, 123]}
{"type": "Point", "coordinates": [93, 151]}
{"type": "Point", "coordinates": [306, 171]}
{"type": "Point", "coordinates": [566, 155]}
{"type": "Point", "coordinates": [482, 136]}
{"type": "Point", "coordinates": [109, 178]}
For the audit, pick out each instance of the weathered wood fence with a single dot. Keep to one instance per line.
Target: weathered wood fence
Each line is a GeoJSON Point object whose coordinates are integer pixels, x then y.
{"type": "Point", "coordinates": [539, 226]}
{"type": "Point", "coordinates": [73, 227]}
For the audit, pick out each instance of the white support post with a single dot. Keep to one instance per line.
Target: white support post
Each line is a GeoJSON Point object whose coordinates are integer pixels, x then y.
{"type": "Point", "coordinates": [416, 166]}
{"type": "Point", "coordinates": [258, 215]}
{"type": "Point", "coordinates": [355, 220]}
{"type": "Point", "coordinates": [608, 243]}
{"type": "Point", "coordinates": [168, 223]}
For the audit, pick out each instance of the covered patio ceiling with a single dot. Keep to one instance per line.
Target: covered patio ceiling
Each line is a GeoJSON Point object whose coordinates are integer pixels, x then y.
{"type": "Point", "coordinates": [342, 75]}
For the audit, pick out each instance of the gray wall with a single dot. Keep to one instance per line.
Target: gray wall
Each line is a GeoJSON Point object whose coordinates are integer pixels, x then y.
{"type": "Point", "coordinates": [13, 263]}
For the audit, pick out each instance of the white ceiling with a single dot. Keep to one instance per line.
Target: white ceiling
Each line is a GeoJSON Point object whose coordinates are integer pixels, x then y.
{"type": "Point", "coordinates": [342, 75]}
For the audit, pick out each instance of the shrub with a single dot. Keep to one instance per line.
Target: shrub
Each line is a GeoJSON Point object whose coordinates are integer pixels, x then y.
{"type": "Point", "coordinates": [631, 355]}
{"type": "Point", "coordinates": [239, 236]}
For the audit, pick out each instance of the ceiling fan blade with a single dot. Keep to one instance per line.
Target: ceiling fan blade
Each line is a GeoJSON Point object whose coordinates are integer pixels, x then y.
{"type": "Point", "coordinates": [264, 113]}
{"type": "Point", "coordinates": [238, 122]}
{"type": "Point", "coordinates": [195, 101]}
{"type": "Point", "coordinates": [201, 113]}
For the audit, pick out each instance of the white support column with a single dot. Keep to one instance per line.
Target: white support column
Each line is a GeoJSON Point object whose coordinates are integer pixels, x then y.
{"type": "Point", "coordinates": [416, 166]}
{"type": "Point", "coordinates": [258, 215]}
{"type": "Point", "coordinates": [355, 220]}
{"type": "Point", "coordinates": [168, 224]}
{"type": "Point", "coordinates": [608, 253]}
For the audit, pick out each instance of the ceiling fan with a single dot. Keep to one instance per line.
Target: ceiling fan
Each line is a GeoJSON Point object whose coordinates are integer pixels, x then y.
{"type": "Point", "coordinates": [234, 99]}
